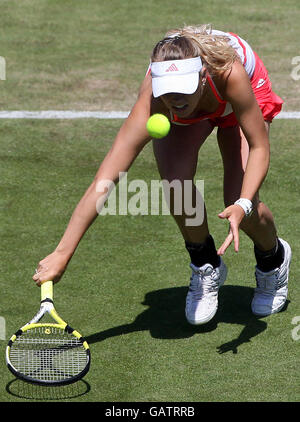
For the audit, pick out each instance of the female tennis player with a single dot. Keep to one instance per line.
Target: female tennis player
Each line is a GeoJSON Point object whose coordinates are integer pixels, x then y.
{"type": "Point", "coordinates": [201, 79]}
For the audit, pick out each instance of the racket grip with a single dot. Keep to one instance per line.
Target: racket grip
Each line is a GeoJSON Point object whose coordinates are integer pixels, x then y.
{"type": "Point", "coordinates": [47, 290]}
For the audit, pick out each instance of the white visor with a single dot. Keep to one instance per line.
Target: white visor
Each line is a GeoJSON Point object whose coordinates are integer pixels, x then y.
{"type": "Point", "coordinates": [175, 76]}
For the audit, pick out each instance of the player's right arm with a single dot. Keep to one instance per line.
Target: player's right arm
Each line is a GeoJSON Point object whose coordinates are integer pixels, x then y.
{"type": "Point", "coordinates": [129, 142]}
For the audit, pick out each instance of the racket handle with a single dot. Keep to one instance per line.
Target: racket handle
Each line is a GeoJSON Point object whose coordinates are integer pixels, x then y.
{"type": "Point", "coordinates": [47, 290]}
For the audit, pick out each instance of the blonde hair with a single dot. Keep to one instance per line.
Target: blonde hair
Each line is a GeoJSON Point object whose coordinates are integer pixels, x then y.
{"type": "Point", "coordinates": [194, 41]}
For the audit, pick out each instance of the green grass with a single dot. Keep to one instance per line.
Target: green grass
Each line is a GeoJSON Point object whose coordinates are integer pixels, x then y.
{"type": "Point", "coordinates": [89, 55]}
{"type": "Point", "coordinates": [129, 276]}
{"type": "Point", "coordinates": [126, 284]}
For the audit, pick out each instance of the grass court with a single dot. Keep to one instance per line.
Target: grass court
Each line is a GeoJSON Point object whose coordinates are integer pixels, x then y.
{"type": "Point", "coordinates": [125, 287]}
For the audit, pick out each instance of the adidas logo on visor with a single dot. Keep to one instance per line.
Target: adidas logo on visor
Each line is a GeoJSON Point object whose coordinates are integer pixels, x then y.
{"type": "Point", "coordinates": [172, 68]}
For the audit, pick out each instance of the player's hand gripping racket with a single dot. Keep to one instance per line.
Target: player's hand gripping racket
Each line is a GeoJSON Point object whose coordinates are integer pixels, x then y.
{"type": "Point", "coordinates": [48, 353]}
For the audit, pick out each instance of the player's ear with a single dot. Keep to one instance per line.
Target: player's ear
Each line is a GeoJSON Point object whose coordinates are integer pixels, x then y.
{"type": "Point", "coordinates": [203, 75]}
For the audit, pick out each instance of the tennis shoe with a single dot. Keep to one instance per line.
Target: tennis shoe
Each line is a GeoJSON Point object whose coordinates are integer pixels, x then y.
{"type": "Point", "coordinates": [272, 287]}
{"type": "Point", "coordinates": [202, 297]}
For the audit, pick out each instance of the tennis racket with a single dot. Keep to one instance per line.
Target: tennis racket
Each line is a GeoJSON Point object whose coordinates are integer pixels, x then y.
{"type": "Point", "coordinates": [48, 353]}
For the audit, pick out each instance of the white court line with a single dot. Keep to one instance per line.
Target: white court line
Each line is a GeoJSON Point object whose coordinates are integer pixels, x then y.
{"type": "Point", "coordinates": [69, 114]}
{"type": "Point", "coordinates": [63, 114]}
{"type": "Point", "coordinates": [288, 115]}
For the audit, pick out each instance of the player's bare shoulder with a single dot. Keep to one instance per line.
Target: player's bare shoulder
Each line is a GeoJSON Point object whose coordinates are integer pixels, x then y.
{"type": "Point", "coordinates": [233, 82]}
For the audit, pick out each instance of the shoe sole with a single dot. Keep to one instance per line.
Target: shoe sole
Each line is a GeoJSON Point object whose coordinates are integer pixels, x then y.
{"type": "Point", "coordinates": [288, 251]}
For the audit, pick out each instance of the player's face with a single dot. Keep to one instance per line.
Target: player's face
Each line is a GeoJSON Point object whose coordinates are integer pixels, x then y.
{"type": "Point", "coordinates": [184, 105]}
{"type": "Point", "coordinates": [181, 104]}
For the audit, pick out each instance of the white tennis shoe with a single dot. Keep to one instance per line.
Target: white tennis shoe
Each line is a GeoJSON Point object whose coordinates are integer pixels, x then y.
{"type": "Point", "coordinates": [272, 287]}
{"type": "Point", "coordinates": [202, 297]}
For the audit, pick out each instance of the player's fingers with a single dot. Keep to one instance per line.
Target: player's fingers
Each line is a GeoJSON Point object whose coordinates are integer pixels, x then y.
{"type": "Point", "coordinates": [36, 275]}
{"type": "Point", "coordinates": [226, 243]}
{"type": "Point", "coordinates": [223, 214]}
{"type": "Point", "coordinates": [40, 275]}
{"type": "Point", "coordinates": [236, 239]}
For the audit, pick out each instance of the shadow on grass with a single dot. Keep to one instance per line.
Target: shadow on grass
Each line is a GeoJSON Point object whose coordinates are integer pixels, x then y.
{"type": "Point", "coordinates": [24, 390]}
{"type": "Point", "coordinates": [165, 317]}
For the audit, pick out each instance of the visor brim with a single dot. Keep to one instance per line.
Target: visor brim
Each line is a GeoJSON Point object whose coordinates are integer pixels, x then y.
{"type": "Point", "coordinates": [182, 84]}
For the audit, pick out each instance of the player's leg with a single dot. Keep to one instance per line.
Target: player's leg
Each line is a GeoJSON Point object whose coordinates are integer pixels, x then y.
{"type": "Point", "coordinates": [271, 253]}
{"type": "Point", "coordinates": [177, 157]}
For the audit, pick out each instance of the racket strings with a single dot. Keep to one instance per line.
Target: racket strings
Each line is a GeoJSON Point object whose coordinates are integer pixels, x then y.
{"type": "Point", "coordinates": [48, 354]}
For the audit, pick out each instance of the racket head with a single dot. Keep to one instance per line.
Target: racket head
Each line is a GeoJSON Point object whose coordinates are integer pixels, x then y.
{"type": "Point", "coordinates": [48, 354]}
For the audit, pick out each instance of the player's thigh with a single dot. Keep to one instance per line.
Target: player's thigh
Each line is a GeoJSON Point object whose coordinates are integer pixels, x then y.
{"type": "Point", "coordinates": [177, 154]}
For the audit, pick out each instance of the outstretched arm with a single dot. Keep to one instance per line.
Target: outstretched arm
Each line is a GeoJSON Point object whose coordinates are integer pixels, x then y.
{"type": "Point", "coordinates": [129, 142]}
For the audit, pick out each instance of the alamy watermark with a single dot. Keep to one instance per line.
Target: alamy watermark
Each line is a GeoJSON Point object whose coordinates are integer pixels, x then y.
{"type": "Point", "coordinates": [2, 69]}
{"type": "Point", "coordinates": [2, 328]}
{"type": "Point", "coordinates": [295, 73]}
{"type": "Point", "coordinates": [156, 198]}
{"type": "Point", "coordinates": [296, 331]}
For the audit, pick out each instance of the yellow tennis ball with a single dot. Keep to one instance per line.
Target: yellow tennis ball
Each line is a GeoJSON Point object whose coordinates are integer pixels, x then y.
{"type": "Point", "coordinates": [158, 126]}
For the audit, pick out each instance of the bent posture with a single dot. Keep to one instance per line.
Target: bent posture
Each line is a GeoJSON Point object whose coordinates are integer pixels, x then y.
{"type": "Point", "coordinates": [201, 79]}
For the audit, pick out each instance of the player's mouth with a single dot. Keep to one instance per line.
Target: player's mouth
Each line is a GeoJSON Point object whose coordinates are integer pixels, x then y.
{"type": "Point", "coordinates": [180, 108]}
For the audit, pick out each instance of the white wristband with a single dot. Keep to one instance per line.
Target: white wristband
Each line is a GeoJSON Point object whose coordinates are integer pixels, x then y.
{"type": "Point", "coordinates": [246, 204]}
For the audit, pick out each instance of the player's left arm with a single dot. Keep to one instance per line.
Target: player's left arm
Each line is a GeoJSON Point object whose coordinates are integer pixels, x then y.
{"type": "Point", "coordinates": [237, 90]}
{"type": "Point", "coordinates": [239, 93]}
